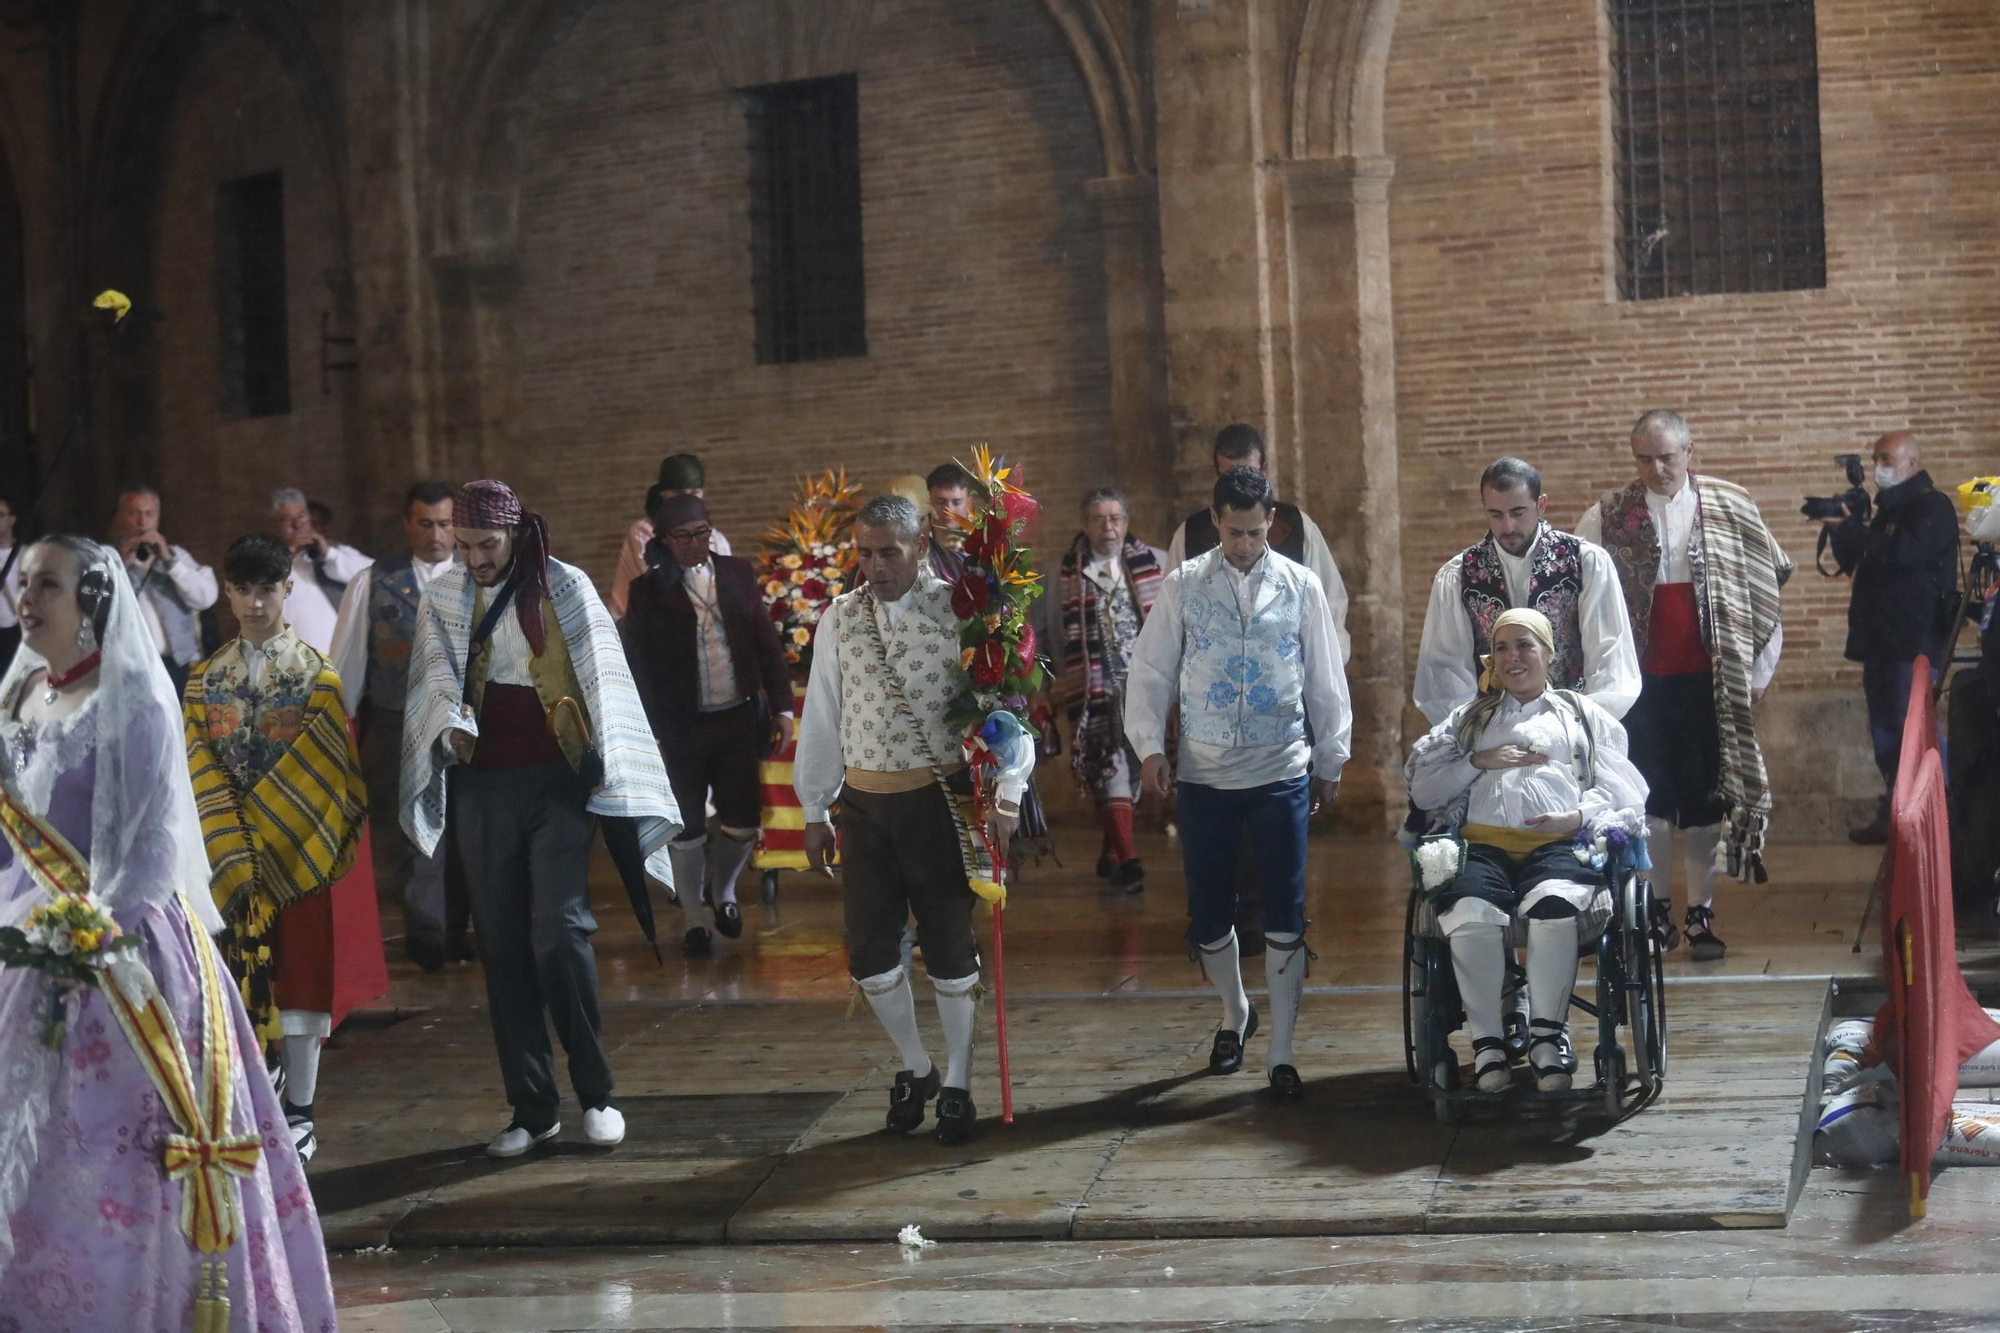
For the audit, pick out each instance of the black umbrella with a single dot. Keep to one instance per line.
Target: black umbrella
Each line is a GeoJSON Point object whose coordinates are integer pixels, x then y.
{"type": "Point", "coordinates": [621, 832]}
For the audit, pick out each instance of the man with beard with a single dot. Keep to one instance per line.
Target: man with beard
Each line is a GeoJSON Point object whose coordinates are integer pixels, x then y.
{"type": "Point", "coordinates": [522, 722]}
{"type": "Point", "coordinates": [1523, 562]}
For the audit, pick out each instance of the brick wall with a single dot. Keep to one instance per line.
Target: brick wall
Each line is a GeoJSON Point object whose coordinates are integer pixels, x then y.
{"type": "Point", "coordinates": [984, 276]}
{"type": "Point", "coordinates": [1508, 339]}
{"type": "Point", "coordinates": [238, 116]}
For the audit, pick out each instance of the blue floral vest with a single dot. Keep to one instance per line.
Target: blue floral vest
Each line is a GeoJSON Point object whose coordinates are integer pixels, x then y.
{"type": "Point", "coordinates": [392, 625]}
{"type": "Point", "coordinates": [1242, 681]}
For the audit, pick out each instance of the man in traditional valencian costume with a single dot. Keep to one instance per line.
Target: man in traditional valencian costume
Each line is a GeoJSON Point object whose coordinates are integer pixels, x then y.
{"type": "Point", "coordinates": [1108, 583]}
{"type": "Point", "coordinates": [1523, 562]}
{"type": "Point", "coordinates": [885, 669]}
{"type": "Point", "coordinates": [1242, 640]}
{"type": "Point", "coordinates": [1701, 573]}
{"type": "Point", "coordinates": [522, 722]}
{"type": "Point", "coordinates": [282, 801]}
{"type": "Point", "coordinates": [680, 474]}
{"type": "Point", "coordinates": [371, 651]}
{"type": "Point", "coordinates": [714, 681]}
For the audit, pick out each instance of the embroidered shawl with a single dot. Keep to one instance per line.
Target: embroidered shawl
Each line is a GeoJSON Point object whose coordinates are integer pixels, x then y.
{"type": "Point", "coordinates": [279, 792]}
{"type": "Point", "coordinates": [635, 781]}
{"type": "Point", "coordinates": [1098, 634]}
{"type": "Point", "coordinates": [1555, 588]}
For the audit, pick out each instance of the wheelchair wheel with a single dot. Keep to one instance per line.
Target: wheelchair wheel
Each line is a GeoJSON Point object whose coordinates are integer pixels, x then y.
{"type": "Point", "coordinates": [1646, 991]}
{"type": "Point", "coordinates": [1611, 1079]}
{"type": "Point", "coordinates": [770, 887]}
{"type": "Point", "coordinates": [1444, 1076]}
{"type": "Point", "coordinates": [1413, 983]}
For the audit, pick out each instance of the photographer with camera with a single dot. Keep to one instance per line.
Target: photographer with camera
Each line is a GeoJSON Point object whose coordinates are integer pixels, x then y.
{"type": "Point", "coordinates": [172, 587]}
{"type": "Point", "coordinates": [1904, 560]}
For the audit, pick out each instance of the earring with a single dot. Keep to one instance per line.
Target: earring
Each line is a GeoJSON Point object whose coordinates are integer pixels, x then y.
{"type": "Point", "coordinates": [86, 637]}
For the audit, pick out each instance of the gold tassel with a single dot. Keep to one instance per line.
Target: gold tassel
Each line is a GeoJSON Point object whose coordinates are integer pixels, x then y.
{"type": "Point", "coordinates": [211, 1303]}
{"type": "Point", "coordinates": [853, 997]}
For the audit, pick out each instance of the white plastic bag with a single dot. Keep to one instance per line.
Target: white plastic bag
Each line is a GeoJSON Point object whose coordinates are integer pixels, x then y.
{"type": "Point", "coordinates": [1858, 1127]}
{"type": "Point", "coordinates": [1972, 1138]}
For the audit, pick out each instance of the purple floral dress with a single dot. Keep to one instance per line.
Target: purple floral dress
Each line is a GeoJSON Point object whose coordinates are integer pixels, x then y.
{"type": "Point", "coordinates": [97, 1241]}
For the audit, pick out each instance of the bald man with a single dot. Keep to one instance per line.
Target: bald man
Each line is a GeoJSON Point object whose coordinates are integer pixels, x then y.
{"type": "Point", "coordinates": [1905, 567]}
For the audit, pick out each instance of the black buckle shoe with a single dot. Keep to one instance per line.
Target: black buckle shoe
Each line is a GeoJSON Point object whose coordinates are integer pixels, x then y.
{"type": "Point", "coordinates": [907, 1098]}
{"type": "Point", "coordinates": [1703, 943]}
{"type": "Point", "coordinates": [729, 921]}
{"type": "Point", "coordinates": [1130, 877]}
{"type": "Point", "coordinates": [1664, 929]}
{"type": "Point", "coordinates": [426, 954]}
{"type": "Point", "coordinates": [1286, 1086]}
{"type": "Point", "coordinates": [696, 943]}
{"type": "Point", "coordinates": [955, 1117]}
{"type": "Point", "coordinates": [1226, 1056]}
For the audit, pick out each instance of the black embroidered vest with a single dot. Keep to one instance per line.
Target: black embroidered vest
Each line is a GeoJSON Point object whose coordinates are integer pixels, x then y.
{"type": "Point", "coordinates": [1555, 588]}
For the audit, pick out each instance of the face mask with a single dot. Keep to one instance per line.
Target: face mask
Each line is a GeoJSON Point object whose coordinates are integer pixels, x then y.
{"type": "Point", "coordinates": [1885, 477]}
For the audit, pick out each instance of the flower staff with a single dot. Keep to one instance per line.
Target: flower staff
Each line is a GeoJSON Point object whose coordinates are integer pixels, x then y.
{"type": "Point", "coordinates": [879, 736]}
{"type": "Point", "coordinates": [1531, 778]}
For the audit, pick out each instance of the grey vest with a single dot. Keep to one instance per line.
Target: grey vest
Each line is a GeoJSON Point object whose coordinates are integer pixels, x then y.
{"type": "Point", "coordinates": [392, 625]}
{"type": "Point", "coordinates": [183, 631]}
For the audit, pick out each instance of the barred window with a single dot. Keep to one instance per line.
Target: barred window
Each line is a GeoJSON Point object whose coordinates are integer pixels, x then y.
{"type": "Point", "coordinates": [250, 296]}
{"type": "Point", "coordinates": [805, 220]}
{"type": "Point", "coordinates": [1716, 121]}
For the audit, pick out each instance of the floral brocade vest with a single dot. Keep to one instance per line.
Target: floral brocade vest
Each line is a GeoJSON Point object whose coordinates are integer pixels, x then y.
{"type": "Point", "coordinates": [1555, 588]}
{"type": "Point", "coordinates": [251, 727]}
{"type": "Point", "coordinates": [1634, 545]}
{"type": "Point", "coordinates": [923, 650]}
{"type": "Point", "coordinates": [1242, 677]}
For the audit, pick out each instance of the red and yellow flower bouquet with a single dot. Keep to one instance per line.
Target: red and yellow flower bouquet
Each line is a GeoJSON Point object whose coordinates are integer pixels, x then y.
{"type": "Point", "coordinates": [808, 560]}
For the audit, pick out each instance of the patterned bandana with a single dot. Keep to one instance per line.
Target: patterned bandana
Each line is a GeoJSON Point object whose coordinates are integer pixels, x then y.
{"type": "Point", "coordinates": [492, 506]}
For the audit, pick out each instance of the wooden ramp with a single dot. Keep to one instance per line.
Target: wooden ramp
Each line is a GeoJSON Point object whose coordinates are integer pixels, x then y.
{"type": "Point", "coordinates": [762, 1122]}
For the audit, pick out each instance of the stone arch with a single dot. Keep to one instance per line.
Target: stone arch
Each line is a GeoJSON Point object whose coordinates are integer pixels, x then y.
{"type": "Point", "coordinates": [1337, 75]}
{"type": "Point", "coordinates": [124, 172]}
{"type": "Point", "coordinates": [475, 209]}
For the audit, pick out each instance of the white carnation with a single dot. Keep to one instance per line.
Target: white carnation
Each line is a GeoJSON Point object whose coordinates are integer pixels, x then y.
{"type": "Point", "coordinates": [1437, 862]}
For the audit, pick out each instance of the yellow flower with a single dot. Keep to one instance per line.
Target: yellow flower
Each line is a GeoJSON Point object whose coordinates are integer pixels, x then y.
{"type": "Point", "coordinates": [965, 660]}
{"type": "Point", "coordinates": [775, 588]}
{"type": "Point", "coordinates": [833, 589]}
{"type": "Point", "coordinates": [791, 561]}
{"type": "Point", "coordinates": [86, 940]}
{"type": "Point", "coordinates": [801, 605]}
{"type": "Point", "coordinates": [992, 621]}
{"type": "Point", "coordinates": [802, 636]}
{"type": "Point", "coordinates": [798, 575]}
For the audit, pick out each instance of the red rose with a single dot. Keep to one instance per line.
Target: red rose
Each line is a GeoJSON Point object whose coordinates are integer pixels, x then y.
{"type": "Point", "coordinates": [814, 589]}
{"type": "Point", "coordinates": [989, 664]}
{"type": "Point", "coordinates": [969, 597]}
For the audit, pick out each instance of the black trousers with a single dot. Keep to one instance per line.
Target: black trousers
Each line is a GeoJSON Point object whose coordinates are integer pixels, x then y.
{"type": "Point", "coordinates": [419, 879]}
{"type": "Point", "coordinates": [1677, 748]}
{"type": "Point", "coordinates": [10, 642]}
{"type": "Point", "coordinates": [719, 753]}
{"type": "Point", "coordinates": [523, 837]}
{"type": "Point", "coordinates": [899, 857]}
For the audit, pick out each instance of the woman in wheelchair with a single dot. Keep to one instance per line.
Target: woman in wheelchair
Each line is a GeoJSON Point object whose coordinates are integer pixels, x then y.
{"type": "Point", "coordinates": [1520, 773]}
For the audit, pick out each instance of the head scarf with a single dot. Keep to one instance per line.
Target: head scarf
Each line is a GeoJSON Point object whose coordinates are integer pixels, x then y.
{"type": "Point", "coordinates": [671, 511]}
{"type": "Point", "coordinates": [492, 506]}
{"type": "Point", "coordinates": [1472, 723]}
{"type": "Point", "coordinates": [680, 472]}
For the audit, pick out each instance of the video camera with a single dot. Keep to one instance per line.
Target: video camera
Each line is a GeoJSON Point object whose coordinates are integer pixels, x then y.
{"type": "Point", "coordinates": [1854, 502]}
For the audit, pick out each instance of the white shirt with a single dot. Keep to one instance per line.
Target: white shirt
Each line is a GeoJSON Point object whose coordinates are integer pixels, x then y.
{"type": "Point", "coordinates": [1673, 521]}
{"type": "Point", "coordinates": [313, 613]}
{"type": "Point", "coordinates": [1447, 667]}
{"type": "Point", "coordinates": [1154, 686]}
{"type": "Point", "coordinates": [509, 655]}
{"type": "Point", "coordinates": [632, 561]}
{"type": "Point", "coordinates": [1508, 797]}
{"type": "Point", "coordinates": [819, 769]}
{"type": "Point", "coordinates": [712, 659]}
{"type": "Point", "coordinates": [349, 655]}
{"type": "Point", "coordinates": [1318, 558]}
{"type": "Point", "coordinates": [194, 582]}
{"type": "Point", "coordinates": [10, 600]}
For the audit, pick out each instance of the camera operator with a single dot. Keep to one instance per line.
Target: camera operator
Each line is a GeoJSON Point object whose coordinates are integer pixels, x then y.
{"type": "Point", "coordinates": [173, 589]}
{"type": "Point", "coordinates": [1905, 566]}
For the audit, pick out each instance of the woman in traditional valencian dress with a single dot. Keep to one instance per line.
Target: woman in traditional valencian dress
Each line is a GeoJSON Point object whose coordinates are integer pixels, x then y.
{"type": "Point", "coordinates": [147, 1178]}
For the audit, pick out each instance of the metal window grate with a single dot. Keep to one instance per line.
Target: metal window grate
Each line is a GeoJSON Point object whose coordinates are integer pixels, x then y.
{"type": "Point", "coordinates": [1716, 121]}
{"type": "Point", "coordinates": [250, 296]}
{"type": "Point", "coordinates": [805, 220]}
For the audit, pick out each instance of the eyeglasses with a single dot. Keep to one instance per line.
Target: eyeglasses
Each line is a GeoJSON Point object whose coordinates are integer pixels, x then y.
{"type": "Point", "coordinates": [690, 534]}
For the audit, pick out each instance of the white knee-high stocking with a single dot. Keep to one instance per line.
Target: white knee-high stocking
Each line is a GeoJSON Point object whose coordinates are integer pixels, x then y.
{"type": "Point", "coordinates": [301, 1057]}
{"type": "Point", "coordinates": [1224, 966]}
{"type": "Point", "coordinates": [728, 852]}
{"type": "Point", "coordinates": [1700, 852]}
{"type": "Point", "coordinates": [1285, 973]}
{"type": "Point", "coordinates": [690, 862]}
{"type": "Point", "coordinates": [889, 996]}
{"type": "Point", "coordinates": [1479, 960]}
{"type": "Point", "coordinates": [1551, 967]}
{"type": "Point", "coordinates": [1660, 848]}
{"type": "Point", "coordinates": [958, 1011]}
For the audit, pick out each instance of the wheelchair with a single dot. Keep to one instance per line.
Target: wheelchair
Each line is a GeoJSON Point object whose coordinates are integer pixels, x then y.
{"type": "Point", "coordinates": [1630, 993]}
